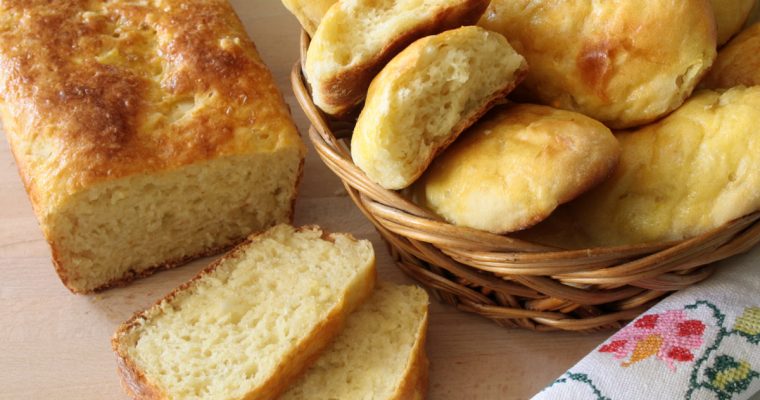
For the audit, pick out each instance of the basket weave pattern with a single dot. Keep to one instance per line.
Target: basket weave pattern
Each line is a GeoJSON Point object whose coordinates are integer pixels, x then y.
{"type": "Point", "coordinates": [514, 282]}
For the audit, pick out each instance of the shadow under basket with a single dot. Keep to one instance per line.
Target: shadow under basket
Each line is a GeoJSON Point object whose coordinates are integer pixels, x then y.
{"type": "Point", "coordinates": [519, 284]}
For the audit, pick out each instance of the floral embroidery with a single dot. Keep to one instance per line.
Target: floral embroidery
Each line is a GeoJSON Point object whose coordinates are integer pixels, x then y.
{"type": "Point", "coordinates": [669, 336]}
{"type": "Point", "coordinates": [749, 324]}
{"type": "Point", "coordinates": [729, 376]}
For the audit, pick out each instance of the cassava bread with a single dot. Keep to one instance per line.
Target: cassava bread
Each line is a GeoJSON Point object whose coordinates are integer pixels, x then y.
{"type": "Point", "coordinates": [309, 12]}
{"type": "Point", "coordinates": [380, 355]}
{"type": "Point", "coordinates": [515, 166]}
{"type": "Point", "coordinates": [691, 172]}
{"type": "Point", "coordinates": [730, 16]}
{"type": "Point", "coordinates": [146, 134]}
{"type": "Point", "coordinates": [426, 96]}
{"type": "Point", "coordinates": [249, 324]}
{"type": "Point", "coordinates": [738, 62]}
{"type": "Point", "coordinates": [358, 37]}
{"type": "Point", "coordinates": [622, 62]}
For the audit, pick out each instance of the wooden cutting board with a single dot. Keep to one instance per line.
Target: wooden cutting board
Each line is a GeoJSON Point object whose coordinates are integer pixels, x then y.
{"type": "Point", "coordinates": [56, 345]}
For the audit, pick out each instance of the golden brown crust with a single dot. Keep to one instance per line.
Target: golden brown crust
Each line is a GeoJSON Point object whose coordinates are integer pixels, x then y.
{"type": "Point", "coordinates": [730, 16]}
{"type": "Point", "coordinates": [738, 62]}
{"type": "Point", "coordinates": [92, 91]}
{"type": "Point", "coordinates": [136, 383]}
{"type": "Point", "coordinates": [608, 60]}
{"type": "Point", "coordinates": [342, 92]}
{"type": "Point", "coordinates": [513, 168]}
{"type": "Point", "coordinates": [97, 91]}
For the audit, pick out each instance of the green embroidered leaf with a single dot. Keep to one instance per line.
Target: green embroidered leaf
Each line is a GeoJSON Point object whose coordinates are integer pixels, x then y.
{"type": "Point", "coordinates": [749, 324]}
{"type": "Point", "coordinates": [729, 376]}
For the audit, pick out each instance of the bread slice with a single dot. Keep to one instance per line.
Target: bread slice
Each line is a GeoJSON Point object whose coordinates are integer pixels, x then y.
{"type": "Point", "coordinates": [357, 38]}
{"type": "Point", "coordinates": [146, 133]}
{"type": "Point", "coordinates": [249, 324]}
{"type": "Point", "coordinates": [515, 166]}
{"type": "Point", "coordinates": [380, 355]}
{"type": "Point", "coordinates": [426, 96]}
{"type": "Point", "coordinates": [309, 12]}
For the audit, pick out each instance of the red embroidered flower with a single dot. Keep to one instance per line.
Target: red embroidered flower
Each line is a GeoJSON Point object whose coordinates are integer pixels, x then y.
{"type": "Point", "coordinates": [668, 336]}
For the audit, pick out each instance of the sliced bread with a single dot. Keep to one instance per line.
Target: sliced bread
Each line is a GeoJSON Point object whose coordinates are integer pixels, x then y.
{"type": "Point", "coordinates": [380, 355]}
{"type": "Point", "coordinates": [426, 96]}
{"type": "Point", "coordinates": [357, 38]}
{"type": "Point", "coordinates": [249, 324]}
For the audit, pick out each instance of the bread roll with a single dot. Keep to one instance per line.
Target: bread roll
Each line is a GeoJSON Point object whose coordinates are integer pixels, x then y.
{"type": "Point", "coordinates": [145, 136]}
{"type": "Point", "coordinates": [247, 326]}
{"type": "Point", "coordinates": [685, 175]}
{"type": "Point", "coordinates": [358, 37]}
{"type": "Point", "coordinates": [379, 356]}
{"type": "Point", "coordinates": [426, 96]}
{"type": "Point", "coordinates": [514, 167]}
{"type": "Point", "coordinates": [309, 12]}
{"type": "Point", "coordinates": [622, 62]}
{"type": "Point", "coordinates": [730, 15]}
{"type": "Point", "coordinates": [738, 62]}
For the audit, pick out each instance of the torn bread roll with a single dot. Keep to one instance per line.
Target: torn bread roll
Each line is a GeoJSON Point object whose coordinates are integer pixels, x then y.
{"type": "Point", "coordinates": [426, 96]}
{"type": "Point", "coordinates": [357, 38]}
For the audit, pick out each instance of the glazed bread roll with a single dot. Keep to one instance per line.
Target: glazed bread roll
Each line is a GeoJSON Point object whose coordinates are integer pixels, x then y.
{"type": "Point", "coordinates": [738, 62]}
{"type": "Point", "coordinates": [309, 12]}
{"type": "Point", "coordinates": [691, 172]}
{"type": "Point", "coordinates": [730, 16]}
{"type": "Point", "coordinates": [622, 62]}
{"type": "Point", "coordinates": [515, 166]}
{"type": "Point", "coordinates": [249, 324]}
{"type": "Point", "coordinates": [146, 134]}
{"type": "Point", "coordinates": [380, 355]}
{"type": "Point", "coordinates": [426, 96]}
{"type": "Point", "coordinates": [358, 37]}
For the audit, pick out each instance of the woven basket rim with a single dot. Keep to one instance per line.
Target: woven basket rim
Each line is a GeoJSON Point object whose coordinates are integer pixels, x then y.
{"type": "Point", "coordinates": [515, 282]}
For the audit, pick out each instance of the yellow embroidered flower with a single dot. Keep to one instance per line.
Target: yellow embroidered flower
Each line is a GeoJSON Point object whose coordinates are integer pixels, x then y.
{"type": "Point", "coordinates": [749, 322]}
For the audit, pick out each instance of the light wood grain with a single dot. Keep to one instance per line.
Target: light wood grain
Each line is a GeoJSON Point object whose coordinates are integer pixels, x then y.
{"type": "Point", "coordinates": [55, 345]}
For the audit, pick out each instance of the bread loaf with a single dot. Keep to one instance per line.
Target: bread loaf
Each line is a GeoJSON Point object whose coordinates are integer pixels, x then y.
{"type": "Point", "coordinates": [309, 12]}
{"type": "Point", "coordinates": [515, 166]}
{"type": "Point", "coordinates": [249, 324]}
{"type": "Point", "coordinates": [738, 62]}
{"type": "Point", "coordinates": [380, 355]}
{"type": "Point", "coordinates": [146, 133]}
{"type": "Point", "coordinates": [730, 16]}
{"type": "Point", "coordinates": [357, 38]}
{"type": "Point", "coordinates": [689, 173]}
{"type": "Point", "coordinates": [426, 96]}
{"type": "Point", "coordinates": [623, 62]}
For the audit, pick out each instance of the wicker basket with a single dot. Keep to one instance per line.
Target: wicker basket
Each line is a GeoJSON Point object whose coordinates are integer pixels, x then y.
{"type": "Point", "coordinates": [513, 282]}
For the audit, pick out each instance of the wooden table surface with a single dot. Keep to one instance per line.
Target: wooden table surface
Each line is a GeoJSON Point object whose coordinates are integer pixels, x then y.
{"type": "Point", "coordinates": [56, 345]}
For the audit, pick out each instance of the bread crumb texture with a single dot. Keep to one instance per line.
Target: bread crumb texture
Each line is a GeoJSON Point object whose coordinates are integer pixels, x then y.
{"type": "Point", "coordinates": [227, 334]}
{"type": "Point", "coordinates": [146, 132]}
{"type": "Point", "coordinates": [426, 96]}
{"type": "Point", "coordinates": [375, 353]}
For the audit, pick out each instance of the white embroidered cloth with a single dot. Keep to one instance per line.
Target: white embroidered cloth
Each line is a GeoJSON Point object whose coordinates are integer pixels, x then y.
{"type": "Point", "coordinates": [701, 343]}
